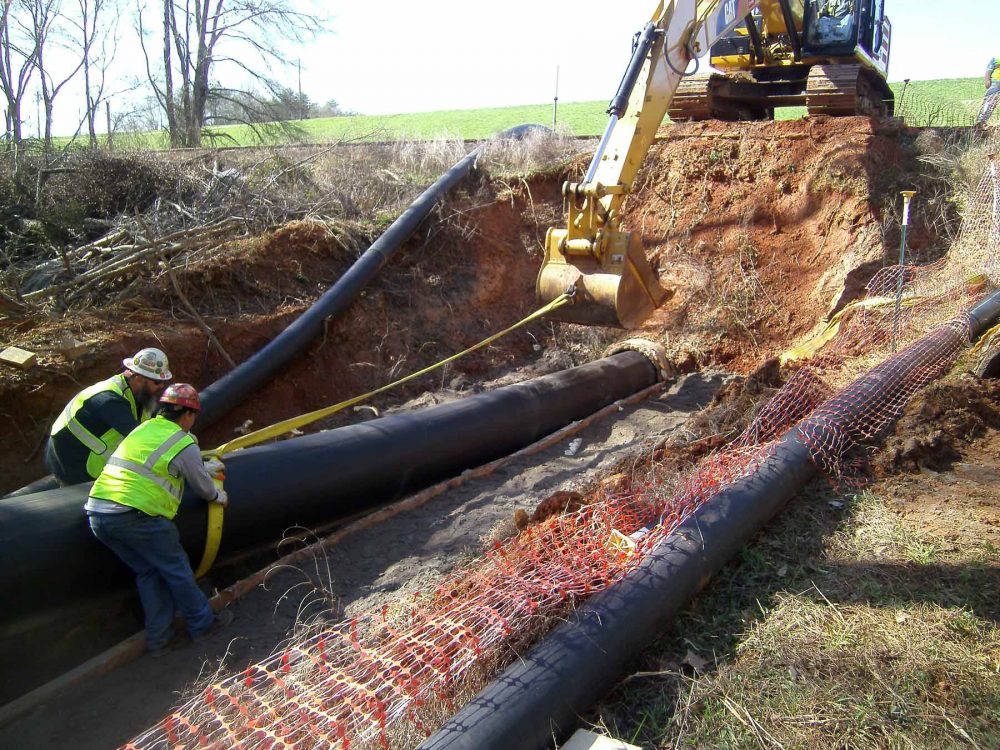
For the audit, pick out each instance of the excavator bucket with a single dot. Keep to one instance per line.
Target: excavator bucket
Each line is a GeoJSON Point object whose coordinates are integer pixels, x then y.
{"type": "Point", "coordinates": [618, 289]}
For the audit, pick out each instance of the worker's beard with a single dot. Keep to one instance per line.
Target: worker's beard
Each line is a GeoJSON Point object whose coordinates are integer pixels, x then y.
{"type": "Point", "coordinates": [149, 402]}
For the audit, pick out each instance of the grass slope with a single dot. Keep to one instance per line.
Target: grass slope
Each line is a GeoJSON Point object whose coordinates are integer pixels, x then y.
{"type": "Point", "coordinates": [839, 627]}
{"type": "Point", "coordinates": [940, 102]}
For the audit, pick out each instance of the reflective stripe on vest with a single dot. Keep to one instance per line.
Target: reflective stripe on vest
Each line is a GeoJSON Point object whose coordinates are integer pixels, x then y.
{"type": "Point", "coordinates": [99, 446]}
{"type": "Point", "coordinates": [137, 474]}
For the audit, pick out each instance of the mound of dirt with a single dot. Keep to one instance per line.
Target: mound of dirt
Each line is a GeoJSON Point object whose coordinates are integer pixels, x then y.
{"type": "Point", "coordinates": [458, 280]}
{"type": "Point", "coordinates": [939, 423]}
{"type": "Point", "coordinates": [762, 229]}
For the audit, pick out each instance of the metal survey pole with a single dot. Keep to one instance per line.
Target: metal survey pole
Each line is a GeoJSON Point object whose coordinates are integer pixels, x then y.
{"type": "Point", "coordinates": [907, 197]}
{"type": "Point", "coordinates": [555, 101]}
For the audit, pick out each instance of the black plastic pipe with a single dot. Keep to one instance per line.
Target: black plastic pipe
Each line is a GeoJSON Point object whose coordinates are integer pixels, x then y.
{"type": "Point", "coordinates": [541, 695]}
{"type": "Point", "coordinates": [231, 389]}
{"type": "Point", "coordinates": [51, 561]}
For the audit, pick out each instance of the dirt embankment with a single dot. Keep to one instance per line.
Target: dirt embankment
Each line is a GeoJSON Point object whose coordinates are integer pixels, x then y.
{"type": "Point", "coordinates": [756, 227]}
{"type": "Point", "coordinates": [762, 229]}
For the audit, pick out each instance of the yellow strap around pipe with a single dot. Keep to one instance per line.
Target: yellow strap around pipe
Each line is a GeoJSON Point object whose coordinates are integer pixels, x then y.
{"type": "Point", "coordinates": [215, 512]}
{"type": "Point", "coordinates": [807, 350]}
{"type": "Point", "coordinates": [213, 538]}
{"type": "Point", "coordinates": [986, 340]}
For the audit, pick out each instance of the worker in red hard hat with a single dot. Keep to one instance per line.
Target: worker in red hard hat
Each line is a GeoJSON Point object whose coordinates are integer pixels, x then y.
{"type": "Point", "coordinates": [131, 507]}
{"type": "Point", "coordinates": [94, 422]}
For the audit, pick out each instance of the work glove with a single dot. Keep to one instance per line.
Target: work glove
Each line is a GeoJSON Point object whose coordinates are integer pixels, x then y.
{"type": "Point", "coordinates": [222, 498]}
{"type": "Point", "coordinates": [215, 467]}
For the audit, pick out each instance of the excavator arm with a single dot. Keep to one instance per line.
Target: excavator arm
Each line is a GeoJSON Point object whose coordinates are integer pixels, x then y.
{"type": "Point", "coordinates": [604, 265]}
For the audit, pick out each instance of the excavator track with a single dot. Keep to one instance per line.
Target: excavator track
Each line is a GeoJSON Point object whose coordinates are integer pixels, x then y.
{"type": "Point", "coordinates": [844, 90]}
{"type": "Point", "coordinates": [692, 100]}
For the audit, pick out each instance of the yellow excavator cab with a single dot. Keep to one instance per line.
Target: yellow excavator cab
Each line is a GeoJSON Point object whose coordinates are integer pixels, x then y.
{"type": "Point", "coordinates": [615, 287]}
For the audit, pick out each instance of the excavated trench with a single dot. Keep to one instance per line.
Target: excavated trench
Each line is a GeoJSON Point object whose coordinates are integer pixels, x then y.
{"type": "Point", "coordinates": [762, 229]}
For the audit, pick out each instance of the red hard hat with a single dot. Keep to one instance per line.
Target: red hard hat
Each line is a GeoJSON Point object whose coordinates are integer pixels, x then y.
{"type": "Point", "coordinates": [181, 394]}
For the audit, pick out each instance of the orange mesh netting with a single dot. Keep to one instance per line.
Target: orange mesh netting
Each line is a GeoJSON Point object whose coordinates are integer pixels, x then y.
{"type": "Point", "coordinates": [348, 685]}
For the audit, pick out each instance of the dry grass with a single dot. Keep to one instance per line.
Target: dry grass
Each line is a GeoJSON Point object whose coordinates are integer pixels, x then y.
{"type": "Point", "coordinates": [840, 628]}
{"type": "Point", "coordinates": [135, 199]}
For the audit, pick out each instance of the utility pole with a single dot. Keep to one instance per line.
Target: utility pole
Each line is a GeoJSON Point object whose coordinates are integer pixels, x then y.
{"type": "Point", "coordinates": [555, 100]}
{"type": "Point", "coordinates": [302, 104]}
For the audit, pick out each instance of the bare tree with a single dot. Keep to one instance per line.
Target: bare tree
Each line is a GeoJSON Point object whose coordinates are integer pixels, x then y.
{"type": "Point", "coordinates": [203, 38]}
{"type": "Point", "coordinates": [45, 15]}
{"type": "Point", "coordinates": [93, 34]}
{"type": "Point", "coordinates": [17, 63]}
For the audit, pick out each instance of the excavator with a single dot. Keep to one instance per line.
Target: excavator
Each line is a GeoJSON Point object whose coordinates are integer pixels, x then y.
{"type": "Point", "coordinates": [831, 55]}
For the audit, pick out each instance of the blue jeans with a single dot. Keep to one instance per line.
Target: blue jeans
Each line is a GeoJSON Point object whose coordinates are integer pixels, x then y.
{"type": "Point", "coordinates": [151, 547]}
{"type": "Point", "coordinates": [990, 99]}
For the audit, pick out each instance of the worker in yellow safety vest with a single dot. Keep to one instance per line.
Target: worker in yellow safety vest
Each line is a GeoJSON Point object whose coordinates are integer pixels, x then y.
{"type": "Point", "coordinates": [92, 425]}
{"type": "Point", "coordinates": [131, 507]}
{"type": "Point", "coordinates": [992, 95]}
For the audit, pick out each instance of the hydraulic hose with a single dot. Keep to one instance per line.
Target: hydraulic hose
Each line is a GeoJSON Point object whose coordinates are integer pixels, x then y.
{"type": "Point", "coordinates": [541, 695]}
{"type": "Point", "coordinates": [51, 561]}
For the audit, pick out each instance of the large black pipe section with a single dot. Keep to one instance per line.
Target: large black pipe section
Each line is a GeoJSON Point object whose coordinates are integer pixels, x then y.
{"type": "Point", "coordinates": [542, 694]}
{"type": "Point", "coordinates": [231, 389]}
{"type": "Point", "coordinates": [228, 391]}
{"type": "Point", "coordinates": [51, 561]}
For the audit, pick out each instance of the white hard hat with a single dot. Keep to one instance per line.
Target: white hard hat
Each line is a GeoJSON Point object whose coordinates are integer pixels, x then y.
{"type": "Point", "coordinates": [150, 363]}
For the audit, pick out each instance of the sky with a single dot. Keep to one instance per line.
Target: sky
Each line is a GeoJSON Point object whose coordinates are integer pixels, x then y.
{"type": "Point", "coordinates": [401, 56]}
{"type": "Point", "coordinates": [389, 57]}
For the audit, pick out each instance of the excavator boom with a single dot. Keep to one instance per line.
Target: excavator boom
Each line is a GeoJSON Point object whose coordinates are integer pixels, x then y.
{"type": "Point", "coordinates": [604, 265]}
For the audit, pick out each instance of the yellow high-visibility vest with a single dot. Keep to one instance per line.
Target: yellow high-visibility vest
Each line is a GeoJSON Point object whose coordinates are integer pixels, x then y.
{"type": "Point", "coordinates": [100, 446]}
{"type": "Point", "coordinates": [137, 473]}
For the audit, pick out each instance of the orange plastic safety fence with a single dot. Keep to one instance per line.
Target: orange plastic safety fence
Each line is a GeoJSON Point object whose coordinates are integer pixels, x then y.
{"type": "Point", "coordinates": [348, 685]}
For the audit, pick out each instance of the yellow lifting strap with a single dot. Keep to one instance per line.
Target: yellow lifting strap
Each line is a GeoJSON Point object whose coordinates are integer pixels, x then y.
{"type": "Point", "coordinates": [809, 349]}
{"type": "Point", "coordinates": [213, 535]}
{"type": "Point", "coordinates": [986, 340]}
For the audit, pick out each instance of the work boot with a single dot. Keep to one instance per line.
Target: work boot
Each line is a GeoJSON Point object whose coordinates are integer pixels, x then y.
{"type": "Point", "coordinates": [164, 648]}
{"type": "Point", "coordinates": [222, 619]}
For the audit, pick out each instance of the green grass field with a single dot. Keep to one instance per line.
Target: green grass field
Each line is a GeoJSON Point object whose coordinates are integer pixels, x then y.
{"type": "Point", "coordinates": [940, 102]}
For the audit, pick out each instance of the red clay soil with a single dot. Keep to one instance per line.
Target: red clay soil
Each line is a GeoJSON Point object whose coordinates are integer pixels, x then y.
{"type": "Point", "coordinates": [762, 229]}
{"type": "Point", "coordinates": [755, 226]}
{"type": "Point", "coordinates": [449, 288]}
